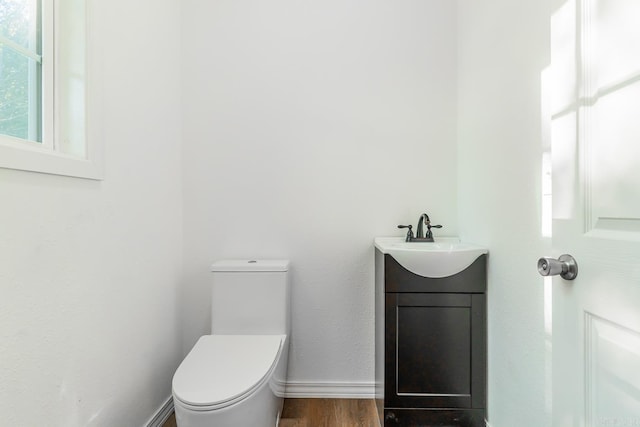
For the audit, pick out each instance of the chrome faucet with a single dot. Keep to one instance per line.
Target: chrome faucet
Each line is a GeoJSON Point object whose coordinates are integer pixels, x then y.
{"type": "Point", "coordinates": [420, 235]}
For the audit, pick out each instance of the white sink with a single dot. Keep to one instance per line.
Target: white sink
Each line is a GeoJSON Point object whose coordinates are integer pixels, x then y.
{"type": "Point", "coordinates": [444, 257]}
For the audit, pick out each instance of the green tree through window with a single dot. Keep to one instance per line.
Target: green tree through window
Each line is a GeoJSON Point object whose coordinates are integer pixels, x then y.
{"type": "Point", "coordinates": [19, 69]}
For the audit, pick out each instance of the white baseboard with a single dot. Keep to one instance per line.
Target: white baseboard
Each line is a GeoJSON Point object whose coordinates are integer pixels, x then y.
{"type": "Point", "coordinates": [162, 415]}
{"type": "Point", "coordinates": [334, 390]}
{"type": "Point", "coordinates": [294, 389]}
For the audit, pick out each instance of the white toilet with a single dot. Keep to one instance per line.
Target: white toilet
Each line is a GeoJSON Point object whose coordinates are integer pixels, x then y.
{"type": "Point", "coordinates": [236, 376]}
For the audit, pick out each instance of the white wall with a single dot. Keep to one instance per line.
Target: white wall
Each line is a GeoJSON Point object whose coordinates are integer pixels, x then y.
{"type": "Point", "coordinates": [309, 129]}
{"type": "Point", "coordinates": [89, 329]}
{"type": "Point", "coordinates": [503, 48]}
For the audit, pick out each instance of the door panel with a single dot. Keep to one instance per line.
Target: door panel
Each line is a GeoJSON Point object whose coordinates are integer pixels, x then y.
{"type": "Point", "coordinates": [613, 28]}
{"type": "Point", "coordinates": [612, 372]}
{"type": "Point", "coordinates": [612, 139]}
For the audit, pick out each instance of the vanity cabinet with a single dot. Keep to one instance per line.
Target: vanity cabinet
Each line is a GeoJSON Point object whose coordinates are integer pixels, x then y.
{"type": "Point", "coordinates": [430, 346]}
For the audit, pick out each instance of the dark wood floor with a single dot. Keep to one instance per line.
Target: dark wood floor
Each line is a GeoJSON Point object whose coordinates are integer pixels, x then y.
{"type": "Point", "coordinates": [323, 413]}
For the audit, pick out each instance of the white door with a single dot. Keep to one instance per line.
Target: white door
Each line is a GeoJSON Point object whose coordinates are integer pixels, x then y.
{"type": "Point", "coordinates": [595, 135]}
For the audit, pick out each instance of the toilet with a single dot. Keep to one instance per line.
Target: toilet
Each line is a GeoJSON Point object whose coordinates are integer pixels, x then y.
{"type": "Point", "coordinates": [236, 376]}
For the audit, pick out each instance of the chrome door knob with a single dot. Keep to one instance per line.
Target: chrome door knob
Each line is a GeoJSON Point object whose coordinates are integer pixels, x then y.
{"type": "Point", "coordinates": [566, 266]}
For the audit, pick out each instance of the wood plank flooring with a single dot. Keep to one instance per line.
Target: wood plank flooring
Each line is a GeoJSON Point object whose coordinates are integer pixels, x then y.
{"type": "Point", "coordinates": [329, 413]}
{"type": "Point", "coordinates": [323, 413]}
{"type": "Point", "coordinates": [171, 422]}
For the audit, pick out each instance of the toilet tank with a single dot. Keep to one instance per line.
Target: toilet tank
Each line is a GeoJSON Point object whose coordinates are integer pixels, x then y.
{"type": "Point", "coordinates": [250, 297]}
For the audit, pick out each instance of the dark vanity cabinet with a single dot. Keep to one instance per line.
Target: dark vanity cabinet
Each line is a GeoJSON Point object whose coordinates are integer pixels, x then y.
{"type": "Point", "coordinates": [430, 346]}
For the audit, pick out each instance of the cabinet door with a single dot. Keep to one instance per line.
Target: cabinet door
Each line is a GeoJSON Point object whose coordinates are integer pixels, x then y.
{"type": "Point", "coordinates": [435, 350]}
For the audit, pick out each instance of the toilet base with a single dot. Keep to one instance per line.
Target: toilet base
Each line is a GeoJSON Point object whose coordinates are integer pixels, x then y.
{"type": "Point", "coordinates": [261, 409]}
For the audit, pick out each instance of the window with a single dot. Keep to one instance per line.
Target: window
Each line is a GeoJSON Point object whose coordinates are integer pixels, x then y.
{"type": "Point", "coordinates": [44, 124]}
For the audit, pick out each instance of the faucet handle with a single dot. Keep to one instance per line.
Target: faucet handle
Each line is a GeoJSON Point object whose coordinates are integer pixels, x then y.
{"type": "Point", "coordinates": [409, 233]}
{"type": "Point", "coordinates": [429, 235]}
{"type": "Point", "coordinates": [429, 227]}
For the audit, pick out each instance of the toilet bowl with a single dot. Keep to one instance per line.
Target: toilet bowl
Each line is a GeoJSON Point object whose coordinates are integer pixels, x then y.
{"type": "Point", "coordinates": [234, 378]}
{"type": "Point", "coordinates": [231, 380]}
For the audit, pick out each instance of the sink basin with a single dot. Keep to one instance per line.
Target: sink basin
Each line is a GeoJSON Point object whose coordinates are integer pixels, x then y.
{"type": "Point", "coordinates": [442, 258]}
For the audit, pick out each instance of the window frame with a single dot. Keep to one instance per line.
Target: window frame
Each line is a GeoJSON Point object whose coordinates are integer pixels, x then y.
{"type": "Point", "coordinates": [47, 156]}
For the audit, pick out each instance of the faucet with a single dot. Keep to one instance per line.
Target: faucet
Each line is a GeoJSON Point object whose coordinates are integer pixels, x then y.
{"type": "Point", "coordinates": [420, 235]}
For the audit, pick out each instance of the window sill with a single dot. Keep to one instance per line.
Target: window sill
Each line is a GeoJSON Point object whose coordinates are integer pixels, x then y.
{"type": "Point", "coordinates": [32, 158]}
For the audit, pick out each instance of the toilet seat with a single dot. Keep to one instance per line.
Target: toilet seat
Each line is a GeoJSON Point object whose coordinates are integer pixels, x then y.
{"type": "Point", "coordinates": [221, 370]}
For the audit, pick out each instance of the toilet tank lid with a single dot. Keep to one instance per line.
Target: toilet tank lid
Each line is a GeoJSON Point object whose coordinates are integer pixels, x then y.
{"type": "Point", "coordinates": [251, 265]}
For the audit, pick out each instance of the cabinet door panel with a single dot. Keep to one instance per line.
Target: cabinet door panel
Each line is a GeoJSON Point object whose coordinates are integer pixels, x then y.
{"type": "Point", "coordinates": [432, 350]}
{"type": "Point", "coordinates": [433, 347]}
